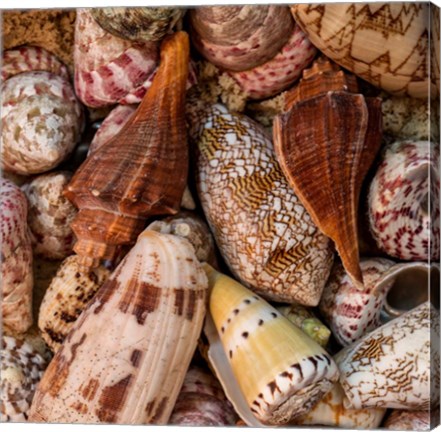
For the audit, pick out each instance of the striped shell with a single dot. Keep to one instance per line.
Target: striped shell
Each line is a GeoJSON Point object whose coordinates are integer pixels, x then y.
{"type": "Point", "coordinates": [398, 201]}
{"type": "Point", "coordinates": [50, 215]}
{"type": "Point", "coordinates": [125, 359]}
{"type": "Point", "coordinates": [66, 297]}
{"type": "Point", "coordinates": [21, 369]}
{"type": "Point", "coordinates": [282, 373]}
{"type": "Point", "coordinates": [262, 230]}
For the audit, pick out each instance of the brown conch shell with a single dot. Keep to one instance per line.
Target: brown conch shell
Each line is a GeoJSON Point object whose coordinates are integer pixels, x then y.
{"type": "Point", "coordinates": [386, 44]}
{"type": "Point", "coordinates": [141, 171]}
{"type": "Point", "coordinates": [325, 145]}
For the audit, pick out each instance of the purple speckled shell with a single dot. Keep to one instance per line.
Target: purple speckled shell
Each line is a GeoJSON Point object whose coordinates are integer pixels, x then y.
{"type": "Point", "coordinates": [280, 72]}
{"type": "Point", "coordinates": [399, 201]}
{"type": "Point", "coordinates": [109, 69]}
{"type": "Point", "coordinates": [30, 58]}
{"type": "Point", "coordinates": [16, 250]}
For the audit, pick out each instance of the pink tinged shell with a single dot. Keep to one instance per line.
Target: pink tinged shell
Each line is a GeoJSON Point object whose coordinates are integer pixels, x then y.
{"type": "Point", "coordinates": [30, 58]}
{"type": "Point", "coordinates": [50, 215]}
{"type": "Point", "coordinates": [41, 122]}
{"type": "Point", "coordinates": [202, 402]}
{"type": "Point", "coordinates": [398, 201]}
{"type": "Point", "coordinates": [280, 72]}
{"type": "Point", "coordinates": [17, 277]}
{"type": "Point", "coordinates": [109, 69]}
{"type": "Point", "coordinates": [411, 420]}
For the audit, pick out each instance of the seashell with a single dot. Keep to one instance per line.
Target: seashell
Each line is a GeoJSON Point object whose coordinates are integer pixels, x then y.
{"type": "Point", "coordinates": [141, 171]}
{"type": "Point", "coordinates": [50, 215]}
{"type": "Point", "coordinates": [191, 227]}
{"type": "Point", "coordinates": [30, 58]}
{"type": "Point", "coordinates": [390, 367]}
{"type": "Point", "coordinates": [383, 43]}
{"type": "Point", "coordinates": [108, 69]}
{"type": "Point", "coordinates": [328, 118]}
{"type": "Point", "coordinates": [398, 201]}
{"type": "Point", "coordinates": [16, 262]}
{"type": "Point", "coordinates": [434, 51]}
{"type": "Point", "coordinates": [202, 402]}
{"type": "Point", "coordinates": [264, 233]}
{"type": "Point", "coordinates": [281, 372]}
{"type": "Point", "coordinates": [409, 420]}
{"type": "Point", "coordinates": [277, 74]}
{"type": "Point", "coordinates": [66, 297]}
{"type": "Point", "coordinates": [125, 359]}
{"type": "Point", "coordinates": [330, 411]}
{"type": "Point", "coordinates": [239, 38]}
{"type": "Point", "coordinates": [42, 122]}
{"type": "Point", "coordinates": [138, 24]}
{"type": "Point", "coordinates": [305, 320]}
{"type": "Point", "coordinates": [187, 201]}
{"type": "Point", "coordinates": [389, 290]}
{"type": "Point", "coordinates": [21, 369]}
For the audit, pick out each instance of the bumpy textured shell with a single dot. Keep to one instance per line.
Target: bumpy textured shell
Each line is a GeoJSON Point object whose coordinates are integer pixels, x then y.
{"type": "Point", "coordinates": [28, 59]}
{"type": "Point", "coordinates": [202, 402]}
{"type": "Point", "coordinates": [384, 43]}
{"type": "Point", "coordinates": [108, 69]}
{"type": "Point", "coordinates": [399, 201]}
{"type": "Point", "coordinates": [239, 38]}
{"type": "Point", "coordinates": [16, 253]}
{"type": "Point", "coordinates": [278, 73]}
{"type": "Point", "coordinates": [50, 215]}
{"type": "Point", "coordinates": [409, 420]}
{"type": "Point", "coordinates": [66, 297]}
{"type": "Point", "coordinates": [41, 122]}
{"type": "Point", "coordinates": [21, 369]}
{"type": "Point", "coordinates": [125, 359]}
{"type": "Point", "coordinates": [262, 230]}
{"type": "Point", "coordinates": [390, 367]}
{"type": "Point", "coordinates": [138, 24]}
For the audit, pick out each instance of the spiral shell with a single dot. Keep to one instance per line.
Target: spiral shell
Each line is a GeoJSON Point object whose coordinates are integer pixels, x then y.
{"type": "Point", "coordinates": [41, 122]}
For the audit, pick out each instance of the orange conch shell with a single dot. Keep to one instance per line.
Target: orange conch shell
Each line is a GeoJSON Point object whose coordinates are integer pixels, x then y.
{"type": "Point", "coordinates": [142, 171]}
{"type": "Point", "coordinates": [325, 145]}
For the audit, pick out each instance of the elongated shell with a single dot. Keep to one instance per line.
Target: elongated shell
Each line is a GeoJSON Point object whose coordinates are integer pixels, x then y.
{"type": "Point", "coordinates": [109, 69]}
{"type": "Point", "coordinates": [390, 367]}
{"type": "Point", "coordinates": [282, 372]}
{"type": "Point", "coordinates": [41, 122]}
{"type": "Point", "coordinates": [16, 261]}
{"type": "Point", "coordinates": [141, 171]}
{"type": "Point", "coordinates": [138, 24]}
{"type": "Point", "coordinates": [69, 292]}
{"type": "Point", "coordinates": [325, 145]}
{"type": "Point", "coordinates": [386, 44]}
{"type": "Point", "coordinates": [262, 230]}
{"type": "Point", "coordinates": [239, 38]}
{"type": "Point", "coordinates": [401, 218]}
{"type": "Point", "coordinates": [21, 369]}
{"type": "Point", "coordinates": [125, 359]}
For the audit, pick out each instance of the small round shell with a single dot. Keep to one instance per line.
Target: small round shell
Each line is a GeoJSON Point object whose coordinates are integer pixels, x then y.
{"type": "Point", "coordinates": [41, 122]}
{"type": "Point", "coordinates": [21, 369]}
{"type": "Point", "coordinates": [50, 215]}
{"type": "Point", "coordinates": [68, 294]}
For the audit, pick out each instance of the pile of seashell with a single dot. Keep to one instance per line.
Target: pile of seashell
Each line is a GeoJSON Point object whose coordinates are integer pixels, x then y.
{"type": "Point", "coordinates": [169, 257]}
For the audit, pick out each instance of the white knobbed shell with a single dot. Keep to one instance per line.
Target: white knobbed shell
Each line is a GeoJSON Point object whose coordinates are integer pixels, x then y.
{"type": "Point", "coordinates": [282, 372]}
{"type": "Point", "coordinates": [21, 369]}
{"type": "Point", "coordinates": [126, 357]}
{"type": "Point", "coordinates": [390, 367]}
{"type": "Point", "coordinates": [260, 226]}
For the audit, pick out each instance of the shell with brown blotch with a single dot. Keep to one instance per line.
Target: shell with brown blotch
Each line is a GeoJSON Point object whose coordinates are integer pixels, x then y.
{"type": "Point", "coordinates": [386, 44]}
{"type": "Point", "coordinates": [325, 144]}
{"type": "Point", "coordinates": [138, 23]}
{"type": "Point", "coordinates": [141, 171]}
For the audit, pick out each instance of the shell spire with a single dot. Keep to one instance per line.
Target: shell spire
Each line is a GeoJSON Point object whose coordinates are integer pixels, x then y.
{"type": "Point", "coordinates": [325, 145]}
{"type": "Point", "coordinates": [142, 171]}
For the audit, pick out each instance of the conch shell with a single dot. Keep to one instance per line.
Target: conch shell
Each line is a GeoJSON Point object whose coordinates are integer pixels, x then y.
{"type": "Point", "coordinates": [325, 145]}
{"type": "Point", "coordinates": [141, 171]}
{"type": "Point", "coordinates": [386, 44]}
